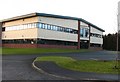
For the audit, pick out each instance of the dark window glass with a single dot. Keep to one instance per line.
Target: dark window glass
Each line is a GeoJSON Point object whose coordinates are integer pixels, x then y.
{"type": "Point", "coordinates": [58, 28]}
{"type": "Point", "coordinates": [3, 29]}
{"type": "Point", "coordinates": [95, 35]}
{"type": "Point", "coordinates": [81, 32]}
{"type": "Point", "coordinates": [61, 29]}
{"type": "Point", "coordinates": [45, 26]}
{"type": "Point", "coordinates": [84, 32]}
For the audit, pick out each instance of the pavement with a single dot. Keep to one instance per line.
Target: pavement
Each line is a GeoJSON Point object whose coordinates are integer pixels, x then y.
{"type": "Point", "coordinates": [19, 67]}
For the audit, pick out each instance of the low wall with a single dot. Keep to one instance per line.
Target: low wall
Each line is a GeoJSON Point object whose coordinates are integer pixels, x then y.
{"type": "Point", "coordinates": [20, 45]}
{"type": "Point", "coordinates": [55, 46]}
{"type": "Point", "coordinates": [96, 48]}
{"type": "Point", "coordinates": [37, 46]}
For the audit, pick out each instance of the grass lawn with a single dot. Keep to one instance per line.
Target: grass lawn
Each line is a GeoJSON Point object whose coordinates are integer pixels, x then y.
{"type": "Point", "coordinates": [8, 51]}
{"type": "Point", "coordinates": [82, 65]}
{"type": "Point", "coordinates": [0, 50]}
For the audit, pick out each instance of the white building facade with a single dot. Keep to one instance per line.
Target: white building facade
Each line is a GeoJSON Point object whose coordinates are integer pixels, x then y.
{"type": "Point", "coordinates": [47, 30]}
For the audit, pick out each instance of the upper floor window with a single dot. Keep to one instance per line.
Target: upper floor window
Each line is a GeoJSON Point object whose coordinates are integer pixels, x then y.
{"type": "Point", "coordinates": [3, 29]}
{"type": "Point", "coordinates": [48, 27]}
{"type": "Point", "coordinates": [54, 28]}
{"type": "Point", "coordinates": [95, 35]}
{"type": "Point", "coordinates": [58, 28]}
{"type": "Point", "coordinates": [81, 32]}
{"type": "Point", "coordinates": [45, 26]}
{"type": "Point", "coordinates": [39, 25]}
{"type": "Point", "coordinates": [20, 27]}
{"type": "Point", "coordinates": [84, 32]}
{"type": "Point", "coordinates": [42, 26]}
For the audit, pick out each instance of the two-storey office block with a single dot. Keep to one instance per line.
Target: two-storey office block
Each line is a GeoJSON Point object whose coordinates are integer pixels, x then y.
{"type": "Point", "coordinates": [47, 30]}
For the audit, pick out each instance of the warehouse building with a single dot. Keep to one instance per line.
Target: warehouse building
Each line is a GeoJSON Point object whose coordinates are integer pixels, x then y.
{"type": "Point", "coordinates": [37, 30]}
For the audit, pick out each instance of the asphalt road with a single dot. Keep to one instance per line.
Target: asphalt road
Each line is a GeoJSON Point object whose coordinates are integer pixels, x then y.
{"type": "Point", "coordinates": [19, 67]}
{"type": "Point", "coordinates": [53, 68]}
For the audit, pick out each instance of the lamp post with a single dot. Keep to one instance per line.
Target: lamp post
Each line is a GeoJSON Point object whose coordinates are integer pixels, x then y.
{"type": "Point", "coordinates": [118, 21]}
{"type": "Point", "coordinates": [116, 59]}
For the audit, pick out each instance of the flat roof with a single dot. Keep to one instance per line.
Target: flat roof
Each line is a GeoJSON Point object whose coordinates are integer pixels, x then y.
{"type": "Point", "coordinates": [51, 15]}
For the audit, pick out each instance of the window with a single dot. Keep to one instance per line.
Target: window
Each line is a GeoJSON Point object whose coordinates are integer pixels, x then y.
{"type": "Point", "coordinates": [25, 26]}
{"type": "Point", "coordinates": [45, 26]}
{"type": "Point", "coordinates": [3, 29]}
{"type": "Point", "coordinates": [48, 27]}
{"type": "Point", "coordinates": [21, 26]}
{"type": "Point", "coordinates": [68, 30]}
{"type": "Point", "coordinates": [58, 28]}
{"type": "Point", "coordinates": [71, 31]}
{"type": "Point", "coordinates": [39, 25]}
{"type": "Point", "coordinates": [14, 28]}
{"type": "Point", "coordinates": [51, 27]}
{"type": "Point", "coordinates": [84, 32]}
{"type": "Point", "coordinates": [61, 29]}
{"type": "Point", "coordinates": [95, 35]}
{"type": "Point", "coordinates": [81, 32]}
{"type": "Point", "coordinates": [35, 25]}
{"type": "Point", "coordinates": [32, 25]}
{"type": "Point", "coordinates": [95, 45]}
{"type": "Point", "coordinates": [6, 29]}
{"type": "Point", "coordinates": [54, 27]}
{"type": "Point", "coordinates": [29, 26]}
{"type": "Point", "coordinates": [75, 31]}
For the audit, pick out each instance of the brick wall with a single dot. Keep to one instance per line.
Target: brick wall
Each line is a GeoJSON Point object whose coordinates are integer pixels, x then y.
{"type": "Point", "coordinates": [44, 46]}
{"type": "Point", "coordinates": [37, 46]}
{"type": "Point", "coordinates": [55, 46]}
{"type": "Point", "coordinates": [96, 48]}
{"type": "Point", "coordinates": [20, 45]}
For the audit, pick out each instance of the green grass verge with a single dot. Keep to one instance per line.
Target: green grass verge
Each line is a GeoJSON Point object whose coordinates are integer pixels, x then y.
{"type": "Point", "coordinates": [0, 50]}
{"type": "Point", "coordinates": [8, 51]}
{"type": "Point", "coordinates": [81, 65]}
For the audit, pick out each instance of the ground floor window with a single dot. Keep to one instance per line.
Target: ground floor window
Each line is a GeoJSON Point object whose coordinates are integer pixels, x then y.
{"type": "Point", "coordinates": [56, 42]}
{"type": "Point", "coordinates": [95, 45]}
{"type": "Point", "coordinates": [40, 41]}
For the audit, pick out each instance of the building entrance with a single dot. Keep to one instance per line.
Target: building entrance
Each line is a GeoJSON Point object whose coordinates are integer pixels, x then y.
{"type": "Point", "coordinates": [84, 44]}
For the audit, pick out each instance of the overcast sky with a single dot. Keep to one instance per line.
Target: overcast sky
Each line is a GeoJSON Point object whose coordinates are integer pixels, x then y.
{"type": "Point", "coordinates": [102, 13]}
